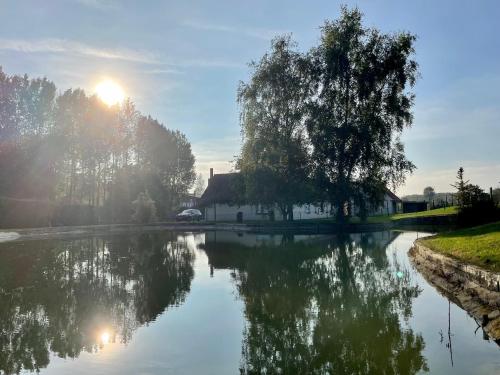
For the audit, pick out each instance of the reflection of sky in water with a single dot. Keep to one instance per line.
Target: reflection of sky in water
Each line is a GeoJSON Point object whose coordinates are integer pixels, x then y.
{"type": "Point", "coordinates": [204, 332]}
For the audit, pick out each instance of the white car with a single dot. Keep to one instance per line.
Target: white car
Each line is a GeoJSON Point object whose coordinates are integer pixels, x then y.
{"type": "Point", "coordinates": [189, 215]}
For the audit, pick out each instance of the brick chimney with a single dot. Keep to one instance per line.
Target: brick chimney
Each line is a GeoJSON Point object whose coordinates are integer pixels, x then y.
{"type": "Point", "coordinates": [211, 174]}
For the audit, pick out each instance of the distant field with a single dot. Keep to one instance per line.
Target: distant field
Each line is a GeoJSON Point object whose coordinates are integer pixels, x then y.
{"type": "Point", "coordinates": [479, 245]}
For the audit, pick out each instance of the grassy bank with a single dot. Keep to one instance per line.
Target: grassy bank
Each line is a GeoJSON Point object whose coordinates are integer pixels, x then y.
{"type": "Point", "coordinates": [478, 245]}
{"type": "Point", "coordinates": [436, 212]}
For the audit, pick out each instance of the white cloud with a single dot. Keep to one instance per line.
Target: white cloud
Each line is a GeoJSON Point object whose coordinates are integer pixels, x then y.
{"type": "Point", "coordinates": [207, 63]}
{"type": "Point", "coordinates": [64, 46]}
{"type": "Point", "coordinates": [98, 4]}
{"type": "Point", "coordinates": [259, 33]}
{"type": "Point", "coordinates": [74, 48]}
{"type": "Point", "coordinates": [163, 71]}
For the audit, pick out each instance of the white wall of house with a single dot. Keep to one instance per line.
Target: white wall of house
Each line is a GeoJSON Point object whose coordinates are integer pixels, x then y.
{"type": "Point", "coordinates": [226, 212]}
{"type": "Point", "coordinates": [388, 207]}
{"type": "Point", "coordinates": [188, 203]}
{"type": "Point", "coordinates": [311, 211]}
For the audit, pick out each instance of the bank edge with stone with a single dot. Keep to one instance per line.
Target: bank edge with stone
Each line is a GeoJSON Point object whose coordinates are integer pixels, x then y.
{"type": "Point", "coordinates": [472, 288]}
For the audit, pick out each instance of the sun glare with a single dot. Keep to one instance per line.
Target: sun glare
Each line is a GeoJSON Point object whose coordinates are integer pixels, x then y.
{"type": "Point", "coordinates": [105, 337]}
{"type": "Point", "coordinates": [110, 92]}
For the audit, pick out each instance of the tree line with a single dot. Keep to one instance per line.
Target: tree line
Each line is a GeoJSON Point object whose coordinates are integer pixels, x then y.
{"type": "Point", "coordinates": [81, 161]}
{"type": "Point", "coordinates": [325, 125]}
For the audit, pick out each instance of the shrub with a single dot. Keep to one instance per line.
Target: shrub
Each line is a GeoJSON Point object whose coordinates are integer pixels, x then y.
{"type": "Point", "coordinates": [479, 212]}
{"type": "Point", "coordinates": [144, 209]}
{"type": "Point", "coordinates": [474, 205]}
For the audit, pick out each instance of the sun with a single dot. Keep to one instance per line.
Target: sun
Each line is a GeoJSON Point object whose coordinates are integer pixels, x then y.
{"type": "Point", "coordinates": [105, 337]}
{"type": "Point", "coordinates": [110, 92]}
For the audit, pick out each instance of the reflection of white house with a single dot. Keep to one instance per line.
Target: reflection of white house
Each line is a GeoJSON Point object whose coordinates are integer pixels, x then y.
{"type": "Point", "coordinates": [220, 196]}
{"type": "Point", "coordinates": [254, 240]}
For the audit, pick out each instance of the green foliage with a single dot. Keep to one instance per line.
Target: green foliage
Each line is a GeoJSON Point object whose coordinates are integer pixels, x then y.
{"type": "Point", "coordinates": [496, 195]}
{"type": "Point", "coordinates": [331, 118]}
{"type": "Point", "coordinates": [73, 150]}
{"type": "Point", "coordinates": [475, 206]}
{"type": "Point", "coordinates": [274, 158]}
{"type": "Point", "coordinates": [429, 193]}
{"type": "Point", "coordinates": [199, 185]}
{"type": "Point", "coordinates": [360, 107]}
{"type": "Point", "coordinates": [461, 186]}
{"type": "Point", "coordinates": [144, 209]}
{"type": "Point", "coordinates": [167, 162]}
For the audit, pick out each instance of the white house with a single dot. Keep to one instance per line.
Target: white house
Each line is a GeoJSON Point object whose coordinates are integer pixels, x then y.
{"type": "Point", "coordinates": [188, 201]}
{"type": "Point", "coordinates": [220, 203]}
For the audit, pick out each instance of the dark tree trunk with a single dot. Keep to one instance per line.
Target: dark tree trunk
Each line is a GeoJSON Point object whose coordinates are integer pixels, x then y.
{"type": "Point", "coordinates": [284, 212]}
{"type": "Point", "coordinates": [290, 212]}
{"type": "Point", "coordinates": [340, 212]}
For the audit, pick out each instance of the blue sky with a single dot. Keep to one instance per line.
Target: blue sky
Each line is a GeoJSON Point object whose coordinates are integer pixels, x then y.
{"type": "Point", "coordinates": [181, 62]}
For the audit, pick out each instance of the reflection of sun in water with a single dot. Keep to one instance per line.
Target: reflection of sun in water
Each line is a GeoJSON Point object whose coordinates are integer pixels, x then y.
{"type": "Point", "coordinates": [110, 92]}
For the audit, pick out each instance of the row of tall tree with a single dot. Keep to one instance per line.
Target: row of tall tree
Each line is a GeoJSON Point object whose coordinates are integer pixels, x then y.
{"type": "Point", "coordinates": [73, 150]}
{"type": "Point", "coordinates": [325, 125]}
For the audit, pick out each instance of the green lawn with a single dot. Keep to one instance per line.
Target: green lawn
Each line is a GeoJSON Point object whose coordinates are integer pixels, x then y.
{"type": "Point", "coordinates": [453, 210]}
{"type": "Point", "coordinates": [436, 212]}
{"type": "Point", "coordinates": [479, 245]}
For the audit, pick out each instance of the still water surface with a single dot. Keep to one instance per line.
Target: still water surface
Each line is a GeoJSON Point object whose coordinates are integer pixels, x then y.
{"type": "Point", "coordinates": [229, 303]}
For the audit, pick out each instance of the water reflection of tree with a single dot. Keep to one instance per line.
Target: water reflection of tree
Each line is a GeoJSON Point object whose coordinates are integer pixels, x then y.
{"type": "Point", "coordinates": [58, 296]}
{"type": "Point", "coordinates": [332, 307]}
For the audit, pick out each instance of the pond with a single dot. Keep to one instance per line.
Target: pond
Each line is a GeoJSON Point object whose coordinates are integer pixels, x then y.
{"type": "Point", "coordinates": [229, 303]}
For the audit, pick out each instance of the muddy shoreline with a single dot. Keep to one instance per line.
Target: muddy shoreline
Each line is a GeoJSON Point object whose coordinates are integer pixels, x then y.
{"type": "Point", "coordinates": [473, 289]}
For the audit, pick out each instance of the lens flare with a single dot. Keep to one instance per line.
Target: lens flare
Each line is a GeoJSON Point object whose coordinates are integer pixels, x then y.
{"type": "Point", "coordinates": [110, 92]}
